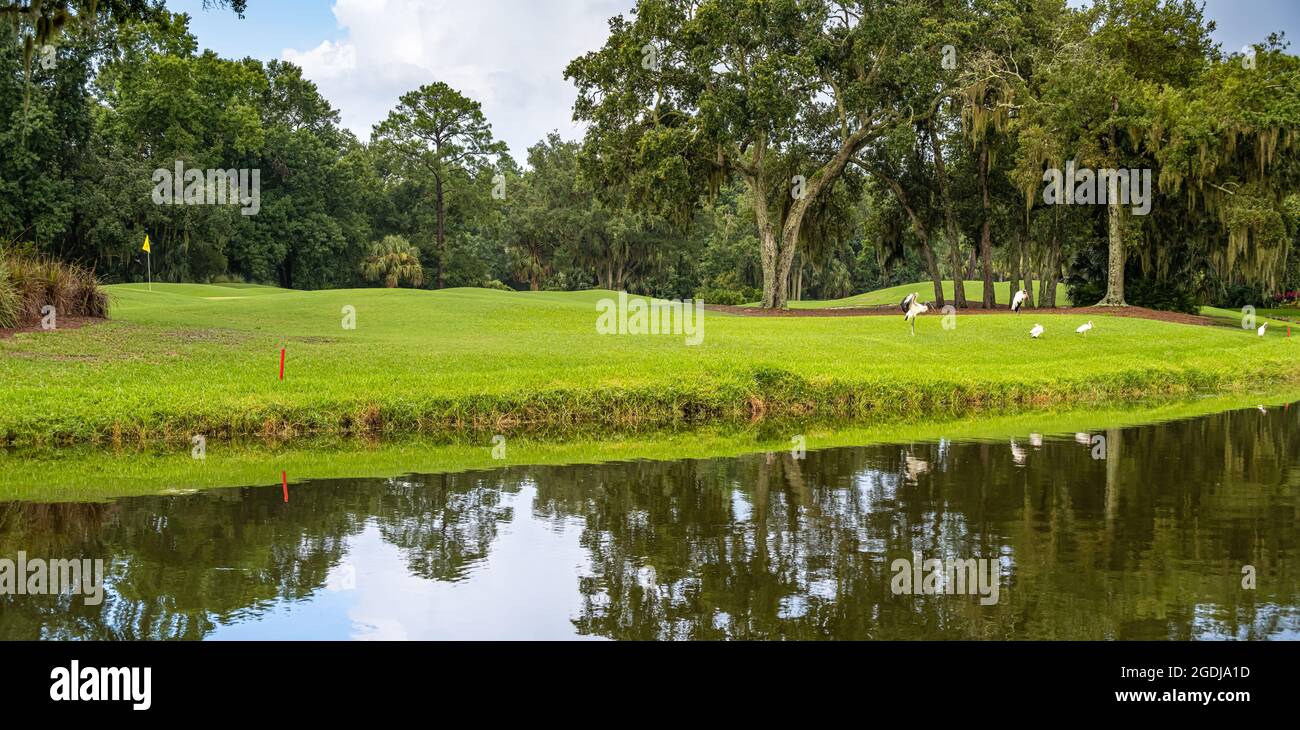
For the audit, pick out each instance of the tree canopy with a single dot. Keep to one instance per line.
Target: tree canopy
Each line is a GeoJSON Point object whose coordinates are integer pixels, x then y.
{"type": "Point", "coordinates": [735, 150]}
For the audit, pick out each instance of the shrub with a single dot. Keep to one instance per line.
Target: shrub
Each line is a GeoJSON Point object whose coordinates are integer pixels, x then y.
{"type": "Point", "coordinates": [10, 300]}
{"type": "Point", "coordinates": [29, 283]}
{"type": "Point", "coordinates": [1138, 292]}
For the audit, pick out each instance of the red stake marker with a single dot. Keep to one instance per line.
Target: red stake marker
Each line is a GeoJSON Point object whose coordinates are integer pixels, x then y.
{"type": "Point", "coordinates": [281, 363]}
{"type": "Point", "coordinates": [284, 479]}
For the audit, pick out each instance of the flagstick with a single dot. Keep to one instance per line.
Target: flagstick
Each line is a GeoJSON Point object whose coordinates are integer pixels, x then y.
{"type": "Point", "coordinates": [148, 263]}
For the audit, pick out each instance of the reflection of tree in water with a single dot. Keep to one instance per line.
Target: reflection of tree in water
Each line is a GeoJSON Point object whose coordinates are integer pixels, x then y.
{"type": "Point", "coordinates": [180, 565]}
{"type": "Point", "coordinates": [444, 523]}
{"type": "Point", "coordinates": [1148, 543]}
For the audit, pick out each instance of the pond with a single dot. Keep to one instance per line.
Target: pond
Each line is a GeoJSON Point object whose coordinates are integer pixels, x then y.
{"type": "Point", "coordinates": [1188, 529]}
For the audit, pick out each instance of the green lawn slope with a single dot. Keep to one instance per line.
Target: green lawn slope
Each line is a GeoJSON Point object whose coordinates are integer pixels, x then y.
{"type": "Point", "coordinates": [183, 360]}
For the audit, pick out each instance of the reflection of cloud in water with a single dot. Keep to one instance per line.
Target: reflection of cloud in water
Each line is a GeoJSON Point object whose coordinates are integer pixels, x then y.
{"type": "Point", "coordinates": [1216, 623]}
{"type": "Point", "coordinates": [525, 591]}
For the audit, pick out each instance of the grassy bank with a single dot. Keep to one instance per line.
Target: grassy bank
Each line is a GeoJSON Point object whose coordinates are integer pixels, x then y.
{"type": "Point", "coordinates": [92, 474]}
{"type": "Point", "coordinates": [184, 360]}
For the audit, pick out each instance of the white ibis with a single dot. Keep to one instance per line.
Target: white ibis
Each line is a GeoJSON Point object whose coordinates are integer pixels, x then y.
{"type": "Point", "coordinates": [1019, 300]}
{"type": "Point", "coordinates": [911, 308]}
{"type": "Point", "coordinates": [1037, 331]}
{"type": "Point", "coordinates": [1083, 329]}
{"type": "Point", "coordinates": [1262, 328]}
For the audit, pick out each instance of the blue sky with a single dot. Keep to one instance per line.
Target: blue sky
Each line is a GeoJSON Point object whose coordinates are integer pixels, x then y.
{"type": "Point", "coordinates": [507, 54]}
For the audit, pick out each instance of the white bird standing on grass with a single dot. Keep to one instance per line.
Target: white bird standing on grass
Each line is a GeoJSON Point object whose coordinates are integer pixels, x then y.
{"type": "Point", "coordinates": [911, 308]}
{"type": "Point", "coordinates": [1083, 329]}
{"type": "Point", "coordinates": [1262, 328]}
{"type": "Point", "coordinates": [1037, 331]}
{"type": "Point", "coordinates": [1019, 300]}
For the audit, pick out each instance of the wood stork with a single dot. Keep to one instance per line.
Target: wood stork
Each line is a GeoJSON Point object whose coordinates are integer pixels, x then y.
{"type": "Point", "coordinates": [1018, 453]}
{"type": "Point", "coordinates": [1262, 328]}
{"type": "Point", "coordinates": [911, 308]}
{"type": "Point", "coordinates": [907, 302]}
{"type": "Point", "coordinates": [1019, 300]}
{"type": "Point", "coordinates": [1083, 329]}
{"type": "Point", "coordinates": [1037, 331]}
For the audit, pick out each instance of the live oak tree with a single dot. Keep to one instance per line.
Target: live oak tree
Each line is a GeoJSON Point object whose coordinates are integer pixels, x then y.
{"type": "Point", "coordinates": [780, 93]}
{"type": "Point", "coordinates": [1099, 101]}
{"type": "Point", "coordinates": [438, 134]}
{"type": "Point", "coordinates": [1228, 158]}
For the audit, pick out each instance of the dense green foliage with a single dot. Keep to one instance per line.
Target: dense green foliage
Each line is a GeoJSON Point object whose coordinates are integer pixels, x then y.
{"type": "Point", "coordinates": [737, 151]}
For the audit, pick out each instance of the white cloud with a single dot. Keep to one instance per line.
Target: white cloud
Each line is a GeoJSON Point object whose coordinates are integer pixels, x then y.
{"type": "Point", "coordinates": [509, 55]}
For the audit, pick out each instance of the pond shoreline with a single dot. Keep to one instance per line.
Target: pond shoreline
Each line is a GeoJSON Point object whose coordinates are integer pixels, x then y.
{"type": "Point", "coordinates": [87, 473]}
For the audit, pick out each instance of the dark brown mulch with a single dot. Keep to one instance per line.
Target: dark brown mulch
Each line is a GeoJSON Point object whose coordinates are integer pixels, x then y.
{"type": "Point", "coordinates": [893, 311]}
{"type": "Point", "coordinates": [64, 323]}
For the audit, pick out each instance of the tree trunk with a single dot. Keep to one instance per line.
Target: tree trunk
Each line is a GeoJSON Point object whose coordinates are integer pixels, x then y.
{"type": "Point", "coordinates": [1115, 269]}
{"type": "Point", "coordinates": [986, 243]}
{"type": "Point", "coordinates": [441, 243]}
{"type": "Point", "coordinates": [932, 266]}
{"type": "Point", "coordinates": [818, 182]}
{"type": "Point", "coordinates": [1051, 274]}
{"type": "Point", "coordinates": [950, 221]}
{"type": "Point", "coordinates": [785, 260]}
{"type": "Point", "coordinates": [767, 254]}
{"type": "Point", "coordinates": [1016, 252]}
{"type": "Point", "coordinates": [922, 236]}
{"type": "Point", "coordinates": [766, 236]}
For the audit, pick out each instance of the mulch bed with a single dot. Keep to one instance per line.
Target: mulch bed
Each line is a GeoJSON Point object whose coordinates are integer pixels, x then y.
{"type": "Point", "coordinates": [893, 311]}
{"type": "Point", "coordinates": [64, 323]}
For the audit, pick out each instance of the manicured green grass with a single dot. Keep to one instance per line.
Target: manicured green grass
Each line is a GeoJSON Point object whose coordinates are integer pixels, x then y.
{"type": "Point", "coordinates": [180, 361]}
{"type": "Point", "coordinates": [203, 291]}
{"type": "Point", "coordinates": [895, 294]}
{"type": "Point", "coordinates": [1278, 319]}
{"type": "Point", "coordinates": [1288, 314]}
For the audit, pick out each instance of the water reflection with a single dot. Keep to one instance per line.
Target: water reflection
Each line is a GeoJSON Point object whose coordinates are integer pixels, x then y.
{"type": "Point", "coordinates": [1148, 542]}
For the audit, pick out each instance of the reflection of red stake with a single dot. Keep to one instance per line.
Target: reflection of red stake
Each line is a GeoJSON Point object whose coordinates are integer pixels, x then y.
{"type": "Point", "coordinates": [281, 363]}
{"type": "Point", "coordinates": [284, 479]}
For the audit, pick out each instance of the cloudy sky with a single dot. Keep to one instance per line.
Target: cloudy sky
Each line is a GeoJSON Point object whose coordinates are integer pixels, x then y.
{"type": "Point", "coordinates": [507, 54]}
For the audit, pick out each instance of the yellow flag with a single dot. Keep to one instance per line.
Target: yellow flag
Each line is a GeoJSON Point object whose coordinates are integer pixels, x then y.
{"type": "Point", "coordinates": [146, 244]}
